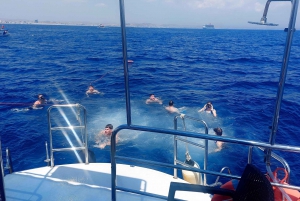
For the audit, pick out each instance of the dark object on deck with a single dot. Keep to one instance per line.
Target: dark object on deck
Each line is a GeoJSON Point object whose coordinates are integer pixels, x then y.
{"type": "Point", "coordinates": [253, 186]}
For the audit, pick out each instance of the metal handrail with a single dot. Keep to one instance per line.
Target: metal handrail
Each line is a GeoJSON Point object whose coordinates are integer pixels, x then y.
{"type": "Point", "coordinates": [114, 187]}
{"type": "Point", "coordinates": [276, 157]}
{"type": "Point", "coordinates": [190, 142]}
{"type": "Point", "coordinates": [47, 160]}
{"type": "Point", "coordinates": [9, 165]}
{"type": "Point", "coordinates": [2, 191]}
{"type": "Point", "coordinates": [269, 146]}
{"type": "Point", "coordinates": [66, 127]}
{"type": "Point", "coordinates": [280, 89]}
{"type": "Point", "coordinates": [205, 147]}
{"type": "Point", "coordinates": [82, 128]}
{"type": "Point", "coordinates": [217, 179]}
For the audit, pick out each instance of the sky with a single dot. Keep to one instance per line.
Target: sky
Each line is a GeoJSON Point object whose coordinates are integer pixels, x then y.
{"type": "Point", "coordinates": [223, 14]}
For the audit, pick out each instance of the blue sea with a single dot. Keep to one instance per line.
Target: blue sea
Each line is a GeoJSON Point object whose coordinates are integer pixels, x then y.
{"type": "Point", "coordinates": [237, 70]}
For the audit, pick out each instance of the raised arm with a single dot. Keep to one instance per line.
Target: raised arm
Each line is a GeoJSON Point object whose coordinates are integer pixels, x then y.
{"type": "Point", "coordinates": [202, 109]}
{"type": "Point", "coordinates": [214, 113]}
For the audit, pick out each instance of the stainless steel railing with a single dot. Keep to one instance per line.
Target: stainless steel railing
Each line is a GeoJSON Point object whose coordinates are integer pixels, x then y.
{"type": "Point", "coordinates": [203, 136]}
{"type": "Point", "coordinates": [2, 191]}
{"type": "Point", "coordinates": [276, 157]}
{"type": "Point", "coordinates": [268, 146]}
{"type": "Point", "coordinates": [81, 126]}
{"type": "Point", "coordinates": [176, 138]}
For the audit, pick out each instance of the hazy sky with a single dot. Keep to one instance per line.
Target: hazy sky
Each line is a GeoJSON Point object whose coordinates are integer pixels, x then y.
{"type": "Point", "coordinates": [190, 13]}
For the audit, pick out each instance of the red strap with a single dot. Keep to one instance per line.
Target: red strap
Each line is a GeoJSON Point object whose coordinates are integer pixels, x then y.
{"type": "Point", "coordinates": [285, 176]}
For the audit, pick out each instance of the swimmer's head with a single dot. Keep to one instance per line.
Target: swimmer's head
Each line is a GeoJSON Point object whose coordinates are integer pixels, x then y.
{"type": "Point", "coordinates": [208, 105]}
{"type": "Point", "coordinates": [171, 103]}
{"type": "Point", "coordinates": [218, 131]}
{"type": "Point", "coordinates": [110, 126]}
{"type": "Point", "coordinates": [40, 96]}
{"type": "Point", "coordinates": [152, 97]}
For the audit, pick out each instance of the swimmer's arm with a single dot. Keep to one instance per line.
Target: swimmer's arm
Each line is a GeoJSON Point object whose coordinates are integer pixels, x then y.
{"type": "Point", "coordinates": [96, 92]}
{"type": "Point", "coordinates": [147, 101]}
{"type": "Point", "coordinates": [201, 110]}
{"type": "Point", "coordinates": [103, 145]}
{"type": "Point", "coordinates": [98, 138]}
{"type": "Point", "coordinates": [214, 113]}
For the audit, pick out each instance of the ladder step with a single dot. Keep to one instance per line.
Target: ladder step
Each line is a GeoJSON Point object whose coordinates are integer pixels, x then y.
{"type": "Point", "coordinates": [67, 127]}
{"type": "Point", "coordinates": [69, 149]}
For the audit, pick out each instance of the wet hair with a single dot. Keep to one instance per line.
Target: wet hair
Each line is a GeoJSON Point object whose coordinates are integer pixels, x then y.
{"type": "Point", "coordinates": [110, 126]}
{"type": "Point", "coordinates": [171, 103]}
{"type": "Point", "coordinates": [151, 94]}
{"type": "Point", "coordinates": [218, 131]}
{"type": "Point", "coordinates": [208, 105]}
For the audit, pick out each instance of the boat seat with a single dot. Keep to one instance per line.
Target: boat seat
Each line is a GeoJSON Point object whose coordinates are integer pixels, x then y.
{"type": "Point", "coordinates": [253, 186]}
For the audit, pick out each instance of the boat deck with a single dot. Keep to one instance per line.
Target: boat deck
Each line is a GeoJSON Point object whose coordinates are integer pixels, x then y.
{"type": "Point", "coordinates": [90, 182]}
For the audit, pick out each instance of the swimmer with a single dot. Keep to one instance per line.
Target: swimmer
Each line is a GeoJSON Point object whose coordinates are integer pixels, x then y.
{"type": "Point", "coordinates": [209, 108]}
{"type": "Point", "coordinates": [218, 131]}
{"type": "Point", "coordinates": [171, 108]}
{"type": "Point", "coordinates": [41, 101]}
{"type": "Point", "coordinates": [91, 90]}
{"type": "Point", "coordinates": [153, 99]}
{"type": "Point", "coordinates": [103, 138]}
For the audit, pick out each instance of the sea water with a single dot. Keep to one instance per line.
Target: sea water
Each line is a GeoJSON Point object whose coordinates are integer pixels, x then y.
{"type": "Point", "coordinates": [237, 70]}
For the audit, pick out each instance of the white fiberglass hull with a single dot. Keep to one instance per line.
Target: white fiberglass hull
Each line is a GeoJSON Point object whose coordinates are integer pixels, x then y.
{"type": "Point", "coordinates": [90, 182]}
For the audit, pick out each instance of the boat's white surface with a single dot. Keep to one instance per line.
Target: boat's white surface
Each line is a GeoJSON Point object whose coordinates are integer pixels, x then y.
{"type": "Point", "coordinates": [90, 182]}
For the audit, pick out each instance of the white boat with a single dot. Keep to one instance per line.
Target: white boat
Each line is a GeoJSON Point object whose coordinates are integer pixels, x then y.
{"type": "Point", "coordinates": [208, 26]}
{"type": "Point", "coordinates": [119, 181]}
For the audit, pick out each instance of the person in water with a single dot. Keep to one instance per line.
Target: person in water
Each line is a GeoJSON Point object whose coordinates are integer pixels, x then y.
{"type": "Point", "coordinates": [41, 101]}
{"type": "Point", "coordinates": [92, 90]}
{"type": "Point", "coordinates": [171, 108]}
{"type": "Point", "coordinates": [209, 108]}
{"type": "Point", "coordinates": [103, 138]}
{"type": "Point", "coordinates": [218, 131]}
{"type": "Point", "coordinates": [153, 99]}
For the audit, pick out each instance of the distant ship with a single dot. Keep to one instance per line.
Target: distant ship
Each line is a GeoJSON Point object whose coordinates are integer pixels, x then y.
{"type": "Point", "coordinates": [208, 26]}
{"type": "Point", "coordinates": [101, 26]}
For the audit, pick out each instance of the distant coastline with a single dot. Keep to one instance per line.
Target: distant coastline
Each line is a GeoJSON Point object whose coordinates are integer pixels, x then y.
{"type": "Point", "coordinates": [137, 25]}
{"type": "Point", "coordinates": [141, 25]}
